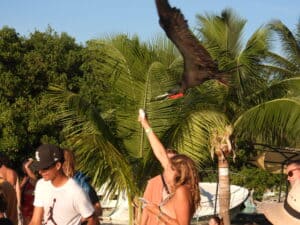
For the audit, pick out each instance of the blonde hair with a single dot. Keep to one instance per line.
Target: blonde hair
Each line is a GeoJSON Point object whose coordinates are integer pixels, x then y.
{"type": "Point", "coordinates": [187, 175]}
{"type": "Point", "coordinates": [69, 163]}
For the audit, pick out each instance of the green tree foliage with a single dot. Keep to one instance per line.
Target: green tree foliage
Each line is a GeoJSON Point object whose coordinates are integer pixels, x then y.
{"type": "Point", "coordinates": [27, 67]}
{"type": "Point", "coordinates": [252, 177]}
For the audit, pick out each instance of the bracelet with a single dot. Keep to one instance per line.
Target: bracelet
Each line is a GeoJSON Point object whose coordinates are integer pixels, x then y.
{"type": "Point", "coordinates": [148, 130]}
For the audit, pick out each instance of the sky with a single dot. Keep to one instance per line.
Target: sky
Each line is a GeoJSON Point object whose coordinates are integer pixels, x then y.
{"type": "Point", "coordinates": [90, 19]}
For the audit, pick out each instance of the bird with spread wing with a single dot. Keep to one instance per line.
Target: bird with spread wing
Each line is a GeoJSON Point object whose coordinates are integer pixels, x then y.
{"type": "Point", "coordinates": [198, 64]}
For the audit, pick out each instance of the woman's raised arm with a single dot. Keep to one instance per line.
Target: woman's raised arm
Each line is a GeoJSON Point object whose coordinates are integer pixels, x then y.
{"type": "Point", "coordinates": [157, 147]}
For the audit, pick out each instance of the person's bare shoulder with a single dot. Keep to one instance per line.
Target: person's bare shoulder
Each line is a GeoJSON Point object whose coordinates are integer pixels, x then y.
{"type": "Point", "coordinates": [12, 174]}
{"type": "Point", "coordinates": [182, 190]}
{"type": "Point", "coordinates": [182, 193]}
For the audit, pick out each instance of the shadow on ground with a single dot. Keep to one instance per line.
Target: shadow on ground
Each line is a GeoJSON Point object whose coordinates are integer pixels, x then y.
{"type": "Point", "coordinates": [244, 218]}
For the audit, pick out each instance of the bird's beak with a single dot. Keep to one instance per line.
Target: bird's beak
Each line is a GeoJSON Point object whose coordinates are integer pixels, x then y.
{"type": "Point", "coordinates": [161, 97]}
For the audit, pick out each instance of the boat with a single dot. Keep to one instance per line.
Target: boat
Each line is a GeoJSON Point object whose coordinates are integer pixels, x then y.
{"type": "Point", "coordinates": [117, 207]}
{"type": "Point", "coordinates": [210, 203]}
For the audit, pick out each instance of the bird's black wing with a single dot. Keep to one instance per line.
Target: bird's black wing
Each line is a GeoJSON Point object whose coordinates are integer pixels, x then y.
{"type": "Point", "coordinates": [198, 64]}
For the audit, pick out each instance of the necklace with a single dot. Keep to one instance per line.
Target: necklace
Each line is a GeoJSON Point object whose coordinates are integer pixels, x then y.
{"type": "Point", "coordinates": [165, 185]}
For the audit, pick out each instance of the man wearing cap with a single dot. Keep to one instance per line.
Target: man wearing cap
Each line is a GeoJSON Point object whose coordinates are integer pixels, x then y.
{"type": "Point", "coordinates": [59, 200]}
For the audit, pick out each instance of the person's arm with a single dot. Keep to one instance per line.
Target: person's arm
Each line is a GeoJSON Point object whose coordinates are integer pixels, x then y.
{"type": "Point", "coordinates": [92, 220]}
{"type": "Point", "coordinates": [37, 216]}
{"type": "Point", "coordinates": [94, 199]}
{"type": "Point", "coordinates": [98, 209]}
{"type": "Point", "coordinates": [24, 181]}
{"type": "Point", "coordinates": [85, 208]}
{"type": "Point", "coordinates": [29, 172]}
{"type": "Point", "coordinates": [18, 192]}
{"type": "Point", "coordinates": [183, 202]}
{"type": "Point", "coordinates": [157, 147]}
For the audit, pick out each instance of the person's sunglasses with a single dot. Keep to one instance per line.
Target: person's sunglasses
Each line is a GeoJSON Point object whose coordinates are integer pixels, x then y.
{"type": "Point", "coordinates": [291, 172]}
{"type": "Point", "coordinates": [49, 167]}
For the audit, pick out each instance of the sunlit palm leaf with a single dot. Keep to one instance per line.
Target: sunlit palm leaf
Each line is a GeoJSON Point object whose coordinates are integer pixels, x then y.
{"type": "Point", "coordinates": [223, 38]}
{"type": "Point", "coordinates": [289, 63]}
{"type": "Point", "coordinates": [96, 148]}
{"type": "Point", "coordinates": [221, 34]}
{"type": "Point", "coordinates": [192, 135]}
{"type": "Point", "coordinates": [287, 87]}
{"type": "Point", "coordinates": [276, 122]}
{"type": "Point", "coordinates": [290, 44]}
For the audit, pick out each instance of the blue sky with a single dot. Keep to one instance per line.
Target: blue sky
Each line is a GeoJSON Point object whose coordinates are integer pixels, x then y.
{"type": "Point", "coordinates": [89, 19]}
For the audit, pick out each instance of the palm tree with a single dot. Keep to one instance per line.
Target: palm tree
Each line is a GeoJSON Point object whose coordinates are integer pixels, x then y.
{"type": "Point", "coordinates": [281, 111]}
{"type": "Point", "coordinates": [247, 104]}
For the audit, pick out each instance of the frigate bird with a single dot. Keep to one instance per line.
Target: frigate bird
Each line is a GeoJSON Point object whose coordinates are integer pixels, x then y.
{"type": "Point", "coordinates": [198, 64]}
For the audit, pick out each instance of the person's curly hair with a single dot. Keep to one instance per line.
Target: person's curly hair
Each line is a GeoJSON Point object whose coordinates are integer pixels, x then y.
{"type": "Point", "coordinates": [187, 175]}
{"type": "Point", "coordinates": [69, 163]}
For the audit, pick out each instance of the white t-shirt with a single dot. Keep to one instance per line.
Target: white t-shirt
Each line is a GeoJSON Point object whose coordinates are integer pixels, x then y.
{"type": "Point", "coordinates": [64, 205]}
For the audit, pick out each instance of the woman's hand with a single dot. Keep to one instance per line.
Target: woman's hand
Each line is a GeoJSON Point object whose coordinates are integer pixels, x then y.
{"type": "Point", "coordinates": [142, 115]}
{"type": "Point", "coordinates": [142, 118]}
{"type": "Point", "coordinates": [155, 210]}
{"type": "Point", "coordinates": [152, 208]}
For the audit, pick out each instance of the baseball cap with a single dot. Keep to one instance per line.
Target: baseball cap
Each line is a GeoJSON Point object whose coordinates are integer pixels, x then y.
{"type": "Point", "coordinates": [46, 155]}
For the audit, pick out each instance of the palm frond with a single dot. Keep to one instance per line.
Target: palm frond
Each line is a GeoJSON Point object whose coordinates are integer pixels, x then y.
{"type": "Point", "coordinates": [285, 88]}
{"type": "Point", "coordinates": [276, 122]}
{"type": "Point", "coordinates": [192, 135]}
{"type": "Point", "coordinates": [290, 45]}
{"type": "Point", "coordinates": [221, 34]}
{"type": "Point", "coordinates": [281, 62]}
{"type": "Point", "coordinates": [248, 76]}
{"type": "Point", "coordinates": [97, 150]}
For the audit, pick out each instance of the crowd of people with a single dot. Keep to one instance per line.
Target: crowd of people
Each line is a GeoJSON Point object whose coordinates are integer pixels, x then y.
{"type": "Point", "coordinates": [52, 191]}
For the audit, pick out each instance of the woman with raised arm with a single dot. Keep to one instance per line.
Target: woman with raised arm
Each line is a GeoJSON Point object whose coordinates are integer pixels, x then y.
{"type": "Point", "coordinates": [27, 190]}
{"type": "Point", "coordinates": [181, 177]}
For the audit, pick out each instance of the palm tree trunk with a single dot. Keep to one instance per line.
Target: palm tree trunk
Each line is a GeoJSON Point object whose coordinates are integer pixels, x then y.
{"type": "Point", "coordinates": [224, 189]}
